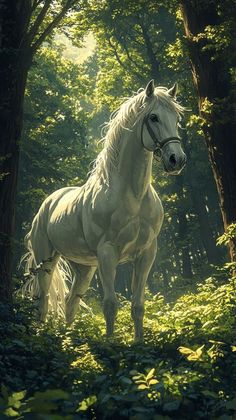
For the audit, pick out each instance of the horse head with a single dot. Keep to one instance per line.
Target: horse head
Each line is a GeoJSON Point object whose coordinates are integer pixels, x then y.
{"type": "Point", "coordinates": [159, 132]}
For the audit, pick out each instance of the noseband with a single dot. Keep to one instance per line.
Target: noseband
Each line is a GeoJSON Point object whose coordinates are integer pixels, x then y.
{"type": "Point", "coordinates": [159, 144]}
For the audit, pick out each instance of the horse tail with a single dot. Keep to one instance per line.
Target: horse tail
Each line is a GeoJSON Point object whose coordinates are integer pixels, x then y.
{"type": "Point", "coordinates": [58, 290]}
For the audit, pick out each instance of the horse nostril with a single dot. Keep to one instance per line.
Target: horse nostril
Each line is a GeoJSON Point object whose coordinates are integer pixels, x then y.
{"type": "Point", "coordinates": [172, 160]}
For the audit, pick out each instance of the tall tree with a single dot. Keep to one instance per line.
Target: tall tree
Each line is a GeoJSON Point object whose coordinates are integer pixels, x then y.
{"type": "Point", "coordinates": [210, 31]}
{"type": "Point", "coordinates": [24, 26]}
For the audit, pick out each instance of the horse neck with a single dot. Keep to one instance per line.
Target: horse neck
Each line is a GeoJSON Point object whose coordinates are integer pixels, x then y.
{"type": "Point", "coordinates": [135, 164]}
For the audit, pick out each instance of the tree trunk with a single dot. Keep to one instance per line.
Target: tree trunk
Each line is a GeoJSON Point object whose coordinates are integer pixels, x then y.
{"type": "Point", "coordinates": [208, 240]}
{"type": "Point", "coordinates": [166, 285]}
{"type": "Point", "coordinates": [154, 63]}
{"type": "Point", "coordinates": [183, 231]}
{"type": "Point", "coordinates": [14, 65]}
{"type": "Point", "coordinates": [207, 236]}
{"type": "Point", "coordinates": [184, 246]}
{"type": "Point", "coordinates": [212, 78]}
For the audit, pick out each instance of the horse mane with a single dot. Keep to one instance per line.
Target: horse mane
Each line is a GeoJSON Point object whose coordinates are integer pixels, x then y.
{"type": "Point", "coordinates": [125, 118]}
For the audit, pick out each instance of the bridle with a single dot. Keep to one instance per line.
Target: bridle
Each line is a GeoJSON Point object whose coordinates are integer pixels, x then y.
{"type": "Point", "coordinates": [159, 144]}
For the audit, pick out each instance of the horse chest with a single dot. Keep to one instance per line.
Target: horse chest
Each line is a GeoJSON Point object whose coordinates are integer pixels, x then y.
{"type": "Point", "coordinates": [131, 237]}
{"type": "Point", "coordinates": [133, 228]}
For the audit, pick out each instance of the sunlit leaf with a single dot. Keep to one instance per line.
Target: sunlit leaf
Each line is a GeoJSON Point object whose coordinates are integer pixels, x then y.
{"type": "Point", "coordinates": [142, 386]}
{"type": "Point", "coordinates": [185, 350]}
{"type": "Point", "coordinates": [153, 382]}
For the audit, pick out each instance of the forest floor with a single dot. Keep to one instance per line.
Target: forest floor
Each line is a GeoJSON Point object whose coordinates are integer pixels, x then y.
{"type": "Point", "coordinates": [184, 369]}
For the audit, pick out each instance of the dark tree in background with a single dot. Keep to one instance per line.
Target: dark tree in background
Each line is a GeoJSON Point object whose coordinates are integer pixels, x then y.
{"type": "Point", "coordinates": [210, 32]}
{"type": "Point", "coordinates": [24, 25]}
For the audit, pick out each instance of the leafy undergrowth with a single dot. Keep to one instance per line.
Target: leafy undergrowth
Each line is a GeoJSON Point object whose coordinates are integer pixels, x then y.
{"type": "Point", "coordinates": [185, 369]}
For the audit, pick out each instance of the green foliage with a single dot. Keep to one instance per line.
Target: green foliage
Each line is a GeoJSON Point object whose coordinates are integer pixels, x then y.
{"type": "Point", "coordinates": [55, 150]}
{"type": "Point", "coordinates": [186, 364]}
{"type": "Point", "coordinates": [229, 234]}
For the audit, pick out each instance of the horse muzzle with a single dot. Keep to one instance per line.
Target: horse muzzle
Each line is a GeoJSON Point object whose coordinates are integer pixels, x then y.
{"type": "Point", "coordinates": [174, 164]}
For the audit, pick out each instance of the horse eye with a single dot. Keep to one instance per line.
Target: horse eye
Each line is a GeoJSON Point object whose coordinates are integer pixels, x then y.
{"type": "Point", "coordinates": [154, 118]}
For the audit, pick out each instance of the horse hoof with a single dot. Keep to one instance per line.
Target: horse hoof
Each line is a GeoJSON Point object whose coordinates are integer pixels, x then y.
{"type": "Point", "coordinates": [69, 321]}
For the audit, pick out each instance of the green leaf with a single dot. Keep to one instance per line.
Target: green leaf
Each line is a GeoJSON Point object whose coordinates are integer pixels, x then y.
{"type": "Point", "coordinates": [185, 350]}
{"type": "Point", "coordinates": [231, 405]}
{"type": "Point", "coordinates": [4, 392]}
{"type": "Point", "coordinates": [208, 393]}
{"type": "Point", "coordinates": [10, 412]}
{"type": "Point", "coordinates": [150, 374]}
{"type": "Point", "coordinates": [15, 399]}
{"type": "Point", "coordinates": [171, 406]}
{"type": "Point", "coordinates": [125, 380]}
{"type": "Point", "coordinates": [153, 382]}
{"type": "Point", "coordinates": [142, 386]}
{"type": "Point", "coordinates": [86, 403]}
{"type": "Point", "coordinates": [133, 372]}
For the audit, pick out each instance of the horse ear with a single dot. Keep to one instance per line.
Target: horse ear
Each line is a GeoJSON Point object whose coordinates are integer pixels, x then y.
{"type": "Point", "coordinates": [173, 91]}
{"type": "Point", "coordinates": [150, 89]}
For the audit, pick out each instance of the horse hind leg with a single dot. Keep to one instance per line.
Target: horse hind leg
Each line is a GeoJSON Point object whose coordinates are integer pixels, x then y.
{"type": "Point", "coordinates": [45, 277]}
{"type": "Point", "coordinates": [82, 278]}
{"type": "Point", "coordinates": [44, 260]}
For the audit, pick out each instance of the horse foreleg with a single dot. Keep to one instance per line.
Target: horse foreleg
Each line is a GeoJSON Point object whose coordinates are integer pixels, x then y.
{"type": "Point", "coordinates": [142, 267]}
{"type": "Point", "coordinates": [83, 276]}
{"type": "Point", "coordinates": [107, 262]}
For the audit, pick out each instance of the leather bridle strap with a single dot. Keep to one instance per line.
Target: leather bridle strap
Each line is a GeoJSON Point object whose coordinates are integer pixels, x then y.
{"type": "Point", "coordinates": [158, 143]}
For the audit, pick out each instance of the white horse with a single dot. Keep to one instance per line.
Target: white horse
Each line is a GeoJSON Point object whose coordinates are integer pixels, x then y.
{"type": "Point", "coordinates": [115, 217]}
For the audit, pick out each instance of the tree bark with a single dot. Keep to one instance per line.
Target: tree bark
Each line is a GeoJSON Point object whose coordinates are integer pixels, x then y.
{"type": "Point", "coordinates": [212, 78]}
{"type": "Point", "coordinates": [183, 237]}
{"type": "Point", "coordinates": [183, 232]}
{"type": "Point", "coordinates": [208, 240]}
{"type": "Point", "coordinates": [14, 65]}
{"type": "Point", "coordinates": [150, 52]}
{"type": "Point", "coordinates": [207, 236]}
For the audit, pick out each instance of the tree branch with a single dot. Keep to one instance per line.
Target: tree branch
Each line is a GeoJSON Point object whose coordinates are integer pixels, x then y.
{"type": "Point", "coordinates": [116, 54]}
{"type": "Point", "coordinates": [121, 62]}
{"type": "Point", "coordinates": [152, 57]}
{"type": "Point", "coordinates": [39, 19]}
{"type": "Point", "coordinates": [131, 59]}
{"type": "Point", "coordinates": [52, 25]}
{"type": "Point", "coordinates": [123, 43]}
{"type": "Point", "coordinates": [35, 4]}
